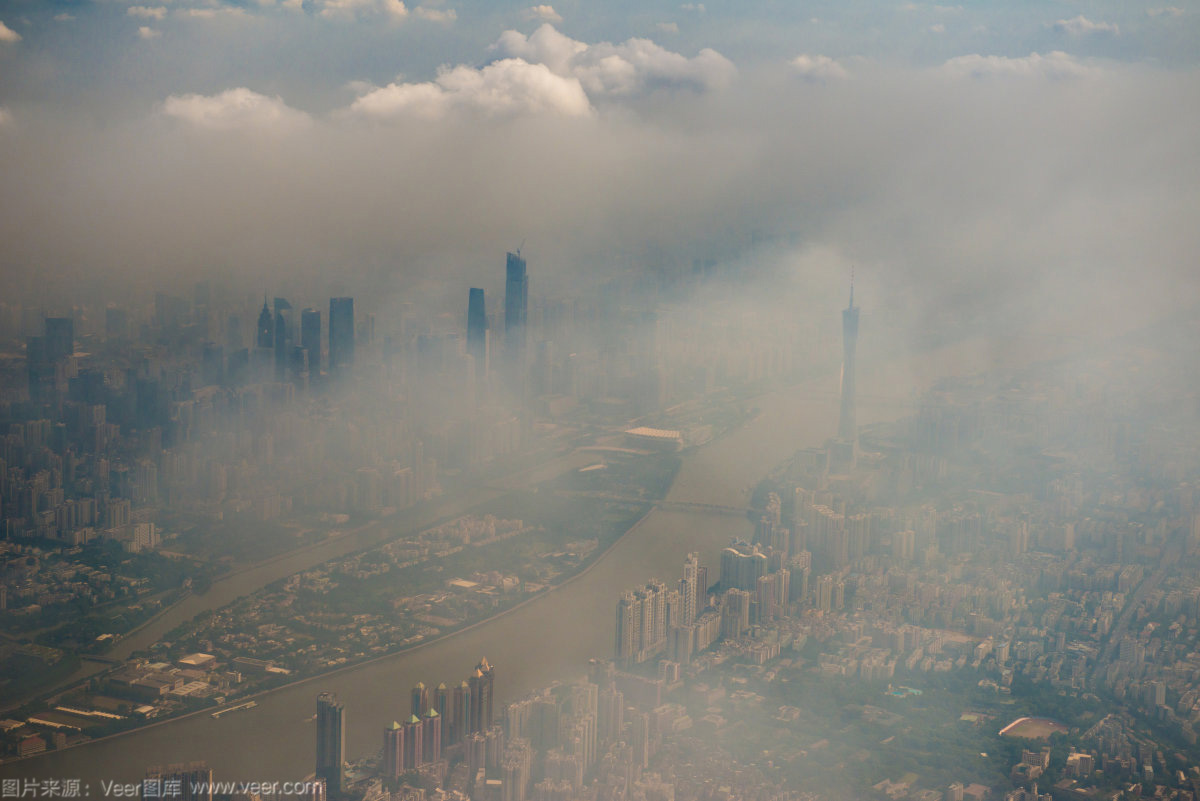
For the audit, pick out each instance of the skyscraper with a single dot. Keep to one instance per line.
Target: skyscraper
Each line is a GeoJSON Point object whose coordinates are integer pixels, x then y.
{"type": "Point", "coordinates": [847, 425]}
{"type": "Point", "coordinates": [441, 702]}
{"type": "Point", "coordinates": [689, 587]}
{"type": "Point", "coordinates": [477, 332]}
{"type": "Point", "coordinates": [266, 327]}
{"type": "Point", "coordinates": [462, 712]}
{"type": "Point", "coordinates": [629, 615]}
{"type": "Point", "coordinates": [516, 305]}
{"type": "Point", "coordinates": [482, 683]}
{"type": "Point", "coordinates": [341, 333]}
{"type": "Point", "coordinates": [393, 751]}
{"type": "Point", "coordinates": [60, 338]}
{"type": "Point", "coordinates": [310, 338]}
{"type": "Point", "coordinates": [420, 699]}
{"type": "Point", "coordinates": [331, 743]}
{"type": "Point", "coordinates": [847, 446]}
{"type": "Point", "coordinates": [414, 740]}
{"type": "Point", "coordinates": [741, 565]}
{"type": "Point", "coordinates": [431, 735]}
{"type": "Point", "coordinates": [116, 323]}
{"type": "Point", "coordinates": [281, 346]}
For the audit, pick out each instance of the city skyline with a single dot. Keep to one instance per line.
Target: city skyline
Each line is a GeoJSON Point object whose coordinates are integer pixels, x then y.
{"type": "Point", "coordinates": [643, 509]}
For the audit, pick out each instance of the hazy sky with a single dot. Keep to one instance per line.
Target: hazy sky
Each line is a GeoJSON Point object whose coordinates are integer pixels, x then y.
{"type": "Point", "coordinates": [1012, 157]}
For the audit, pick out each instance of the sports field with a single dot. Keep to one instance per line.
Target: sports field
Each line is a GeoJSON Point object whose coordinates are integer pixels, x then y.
{"type": "Point", "coordinates": [1032, 728]}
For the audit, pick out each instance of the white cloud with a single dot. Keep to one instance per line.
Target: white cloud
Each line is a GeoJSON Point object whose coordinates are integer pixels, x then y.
{"type": "Point", "coordinates": [7, 34]}
{"type": "Point", "coordinates": [63, 17]}
{"type": "Point", "coordinates": [1082, 26]}
{"type": "Point", "coordinates": [668, 27]}
{"type": "Point", "coordinates": [147, 12]}
{"type": "Point", "coordinates": [1056, 64]}
{"type": "Point", "coordinates": [938, 28]}
{"type": "Point", "coordinates": [1170, 11]}
{"type": "Point", "coordinates": [618, 69]}
{"type": "Point", "coordinates": [212, 13]}
{"type": "Point", "coordinates": [146, 32]}
{"type": "Point", "coordinates": [507, 87]}
{"type": "Point", "coordinates": [697, 7]}
{"type": "Point", "coordinates": [234, 109]}
{"type": "Point", "coordinates": [358, 9]}
{"type": "Point", "coordinates": [545, 13]}
{"type": "Point", "coordinates": [818, 68]}
{"type": "Point", "coordinates": [445, 17]}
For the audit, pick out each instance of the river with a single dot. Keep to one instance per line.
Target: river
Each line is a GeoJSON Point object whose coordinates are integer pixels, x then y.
{"type": "Point", "coordinates": [550, 637]}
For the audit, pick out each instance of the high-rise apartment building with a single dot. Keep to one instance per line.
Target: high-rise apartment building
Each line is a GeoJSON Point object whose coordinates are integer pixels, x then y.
{"type": "Point", "coordinates": [482, 684]}
{"type": "Point", "coordinates": [461, 726]}
{"type": "Point", "coordinates": [689, 588]}
{"type": "Point", "coordinates": [331, 743]}
{"type": "Point", "coordinates": [441, 702]}
{"type": "Point", "coordinates": [393, 751]}
{"type": "Point", "coordinates": [741, 566]}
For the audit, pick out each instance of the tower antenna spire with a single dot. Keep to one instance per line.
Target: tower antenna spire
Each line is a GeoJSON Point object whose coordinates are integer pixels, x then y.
{"type": "Point", "coordinates": [852, 286]}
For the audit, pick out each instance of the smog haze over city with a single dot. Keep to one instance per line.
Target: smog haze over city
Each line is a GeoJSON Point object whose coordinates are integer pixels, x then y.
{"type": "Point", "coordinates": [461, 401]}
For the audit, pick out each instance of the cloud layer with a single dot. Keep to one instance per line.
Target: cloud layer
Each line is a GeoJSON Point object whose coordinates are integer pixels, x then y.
{"type": "Point", "coordinates": [235, 109]}
{"type": "Point", "coordinates": [818, 68]}
{"type": "Point", "coordinates": [1055, 65]}
{"type": "Point", "coordinates": [1082, 26]}
{"type": "Point", "coordinates": [547, 73]}
{"type": "Point", "coordinates": [996, 187]}
{"type": "Point", "coordinates": [506, 87]}
{"type": "Point", "coordinates": [607, 69]}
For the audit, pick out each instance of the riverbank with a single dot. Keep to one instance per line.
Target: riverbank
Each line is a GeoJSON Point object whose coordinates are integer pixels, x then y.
{"type": "Point", "coordinates": [242, 700]}
{"type": "Point", "coordinates": [190, 604]}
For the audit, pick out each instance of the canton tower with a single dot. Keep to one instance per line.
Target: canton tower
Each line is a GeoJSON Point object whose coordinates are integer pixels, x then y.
{"type": "Point", "coordinates": [847, 424]}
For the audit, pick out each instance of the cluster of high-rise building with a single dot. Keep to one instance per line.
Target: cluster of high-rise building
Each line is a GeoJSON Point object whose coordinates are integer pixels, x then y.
{"type": "Point", "coordinates": [108, 427]}
{"type": "Point", "coordinates": [188, 403]}
{"type": "Point", "coordinates": [657, 622]}
{"type": "Point", "coordinates": [92, 447]}
{"type": "Point", "coordinates": [755, 578]}
{"type": "Point", "coordinates": [653, 620]}
{"type": "Point", "coordinates": [442, 722]}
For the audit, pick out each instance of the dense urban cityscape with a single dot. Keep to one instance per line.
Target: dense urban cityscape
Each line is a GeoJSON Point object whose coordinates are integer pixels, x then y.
{"type": "Point", "coordinates": [445, 400]}
{"type": "Point", "coordinates": [996, 593]}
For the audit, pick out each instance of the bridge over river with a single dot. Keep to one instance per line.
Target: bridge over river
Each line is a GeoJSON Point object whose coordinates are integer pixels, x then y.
{"type": "Point", "coordinates": [663, 503]}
